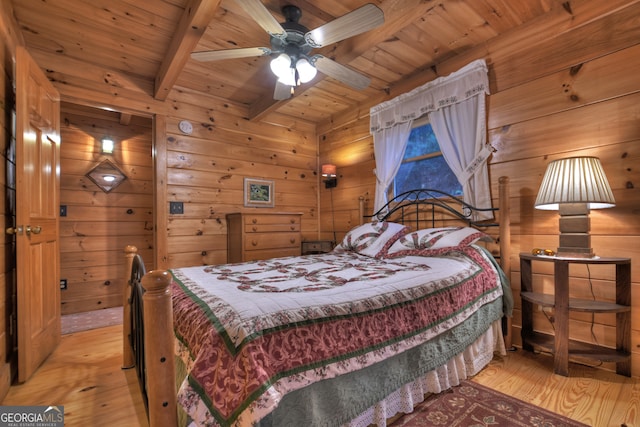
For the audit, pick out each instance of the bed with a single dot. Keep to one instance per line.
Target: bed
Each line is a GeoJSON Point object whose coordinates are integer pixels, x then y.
{"type": "Point", "coordinates": [400, 308]}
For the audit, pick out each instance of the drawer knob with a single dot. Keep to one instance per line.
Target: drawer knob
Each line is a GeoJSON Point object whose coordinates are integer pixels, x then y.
{"type": "Point", "coordinates": [254, 228]}
{"type": "Point", "coordinates": [254, 220]}
{"type": "Point", "coordinates": [292, 240]}
{"type": "Point", "coordinates": [254, 243]}
{"type": "Point", "coordinates": [292, 220]}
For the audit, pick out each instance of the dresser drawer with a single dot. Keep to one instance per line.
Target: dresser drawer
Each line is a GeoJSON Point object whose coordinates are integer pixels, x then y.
{"type": "Point", "coordinates": [273, 219]}
{"type": "Point", "coordinates": [271, 228]}
{"type": "Point", "coordinates": [255, 241]}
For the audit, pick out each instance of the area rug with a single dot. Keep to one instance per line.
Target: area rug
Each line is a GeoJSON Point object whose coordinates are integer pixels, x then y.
{"type": "Point", "coordinates": [79, 322]}
{"type": "Point", "coordinates": [473, 405]}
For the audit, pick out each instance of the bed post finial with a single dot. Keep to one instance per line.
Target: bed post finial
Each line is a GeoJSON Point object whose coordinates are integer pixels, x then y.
{"type": "Point", "coordinates": [128, 359]}
{"type": "Point", "coordinates": [159, 357]}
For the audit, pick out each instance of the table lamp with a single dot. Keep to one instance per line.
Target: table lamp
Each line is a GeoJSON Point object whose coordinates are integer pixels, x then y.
{"type": "Point", "coordinates": [573, 186]}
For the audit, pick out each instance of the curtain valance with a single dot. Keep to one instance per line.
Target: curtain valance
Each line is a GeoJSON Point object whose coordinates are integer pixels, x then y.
{"type": "Point", "coordinates": [434, 95]}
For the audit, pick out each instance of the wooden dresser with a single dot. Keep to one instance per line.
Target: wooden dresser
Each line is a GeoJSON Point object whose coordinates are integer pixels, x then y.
{"type": "Point", "coordinates": [262, 235]}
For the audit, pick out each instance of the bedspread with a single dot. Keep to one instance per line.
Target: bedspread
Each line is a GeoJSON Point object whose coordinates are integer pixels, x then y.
{"type": "Point", "coordinates": [250, 333]}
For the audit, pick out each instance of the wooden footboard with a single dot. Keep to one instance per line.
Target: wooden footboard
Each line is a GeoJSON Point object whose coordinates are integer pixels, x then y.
{"type": "Point", "coordinates": [149, 294]}
{"type": "Point", "coordinates": [150, 348]}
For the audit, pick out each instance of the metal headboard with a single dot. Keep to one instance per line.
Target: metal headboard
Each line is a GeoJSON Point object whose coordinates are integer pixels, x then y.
{"type": "Point", "coordinates": [421, 202]}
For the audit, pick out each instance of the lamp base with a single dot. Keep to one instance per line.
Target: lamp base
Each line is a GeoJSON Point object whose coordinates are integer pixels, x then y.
{"type": "Point", "coordinates": [575, 240]}
{"type": "Point", "coordinates": [572, 253]}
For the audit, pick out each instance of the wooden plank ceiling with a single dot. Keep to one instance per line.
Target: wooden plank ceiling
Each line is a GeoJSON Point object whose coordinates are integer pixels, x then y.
{"type": "Point", "coordinates": [147, 45]}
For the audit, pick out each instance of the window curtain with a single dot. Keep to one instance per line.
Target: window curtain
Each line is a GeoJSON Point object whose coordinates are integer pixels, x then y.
{"type": "Point", "coordinates": [389, 145]}
{"type": "Point", "coordinates": [456, 108]}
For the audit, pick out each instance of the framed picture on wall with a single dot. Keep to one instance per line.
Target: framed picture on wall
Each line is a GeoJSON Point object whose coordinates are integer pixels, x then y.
{"type": "Point", "coordinates": [258, 193]}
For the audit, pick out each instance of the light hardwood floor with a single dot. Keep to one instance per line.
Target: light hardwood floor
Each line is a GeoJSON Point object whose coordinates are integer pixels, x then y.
{"type": "Point", "coordinates": [84, 375]}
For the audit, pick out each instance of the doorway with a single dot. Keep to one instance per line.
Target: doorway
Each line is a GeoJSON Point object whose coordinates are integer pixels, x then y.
{"type": "Point", "coordinates": [96, 220]}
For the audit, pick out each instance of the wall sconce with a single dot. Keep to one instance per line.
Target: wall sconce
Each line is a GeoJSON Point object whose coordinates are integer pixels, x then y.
{"type": "Point", "coordinates": [106, 175]}
{"type": "Point", "coordinates": [107, 145]}
{"type": "Point", "coordinates": [329, 175]}
{"type": "Point", "coordinates": [572, 186]}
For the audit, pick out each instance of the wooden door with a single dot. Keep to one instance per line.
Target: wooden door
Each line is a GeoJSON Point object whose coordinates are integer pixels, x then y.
{"type": "Point", "coordinates": [37, 208]}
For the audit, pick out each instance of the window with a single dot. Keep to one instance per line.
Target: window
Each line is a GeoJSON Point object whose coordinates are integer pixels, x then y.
{"type": "Point", "coordinates": [423, 165]}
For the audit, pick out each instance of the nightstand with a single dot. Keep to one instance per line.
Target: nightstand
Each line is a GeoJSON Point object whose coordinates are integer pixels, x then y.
{"type": "Point", "coordinates": [560, 344]}
{"type": "Point", "coordinates": [316, 247]}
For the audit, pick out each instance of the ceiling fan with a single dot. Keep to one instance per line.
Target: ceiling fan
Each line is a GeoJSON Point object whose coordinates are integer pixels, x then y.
{"type": "Point", "coordinates": [292, 43]}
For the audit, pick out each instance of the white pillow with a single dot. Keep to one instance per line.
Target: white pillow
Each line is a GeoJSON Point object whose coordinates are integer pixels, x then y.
{"type": "Point", "coordinates": [373, 239]}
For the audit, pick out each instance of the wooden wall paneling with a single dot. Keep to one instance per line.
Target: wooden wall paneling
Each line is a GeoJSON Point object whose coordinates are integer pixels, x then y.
{"type": "Point", "coordinates": [112, 257]}
{"type": "Point", "coordinates": [79, 244]}
{"type": "Point", "coordinates": [359, 130]}
{"type": "Point", "coordinates": [98, 223]}
{"type": "Point", "coordinates": [603, 124]}
{"type": "Point", "coordinates": [179, 226]}
{"type": "Point", "coordinates": [197, 243]}
{"type": "Point", "coordinates": [222, 158]}
{"type": "Point", "coordinates": [581, 84]}
{"type": "Point", "coordinates": [200, 107]}
{"type": "Point", "coordinates": [206, 171]}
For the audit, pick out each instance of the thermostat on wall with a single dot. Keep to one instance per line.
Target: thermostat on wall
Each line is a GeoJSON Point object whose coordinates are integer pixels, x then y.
{"type": "Point", "coordinates": [185, 127]}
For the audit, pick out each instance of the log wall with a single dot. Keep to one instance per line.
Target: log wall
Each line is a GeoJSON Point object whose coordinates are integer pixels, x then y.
{"type": "Point", "coordinates": [206, 170]}
{"type": "Point", "coordinates": [572, 90]}
{"type": "Point", "coordinates": [98, 225]}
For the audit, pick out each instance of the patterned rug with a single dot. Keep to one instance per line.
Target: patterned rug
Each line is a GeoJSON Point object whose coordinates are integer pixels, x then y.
{"type": "Point", "coordinates": [473, 405]}
{"type": "Point", "coordinates": [91, 320]}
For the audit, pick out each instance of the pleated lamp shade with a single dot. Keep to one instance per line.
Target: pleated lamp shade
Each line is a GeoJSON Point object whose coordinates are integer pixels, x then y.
{"type": "Point", "coordinates": [573, 186]}
{"type": "Point", "coordinates": [575, 180]}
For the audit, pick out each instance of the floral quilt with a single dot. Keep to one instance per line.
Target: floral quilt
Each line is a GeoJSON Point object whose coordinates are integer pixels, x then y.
{"type": "Point", "coordinates": [250, 333]}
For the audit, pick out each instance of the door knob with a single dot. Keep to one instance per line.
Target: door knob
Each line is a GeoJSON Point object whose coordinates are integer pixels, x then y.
{"type": "Point", "coordinates": [35, 230]}
{"type": "Point", "coordinates": [13, 230]}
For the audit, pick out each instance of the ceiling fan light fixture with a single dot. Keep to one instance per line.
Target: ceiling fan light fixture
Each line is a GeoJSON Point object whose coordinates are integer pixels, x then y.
{"type": "Point", "coordinates": [289, 78]}
{"type": "Point", "coordinates": [306, 71]}
{"type": "Point", "coordinates": [281, 66]}
{"type": "Point", "coordinates": [292, 43]}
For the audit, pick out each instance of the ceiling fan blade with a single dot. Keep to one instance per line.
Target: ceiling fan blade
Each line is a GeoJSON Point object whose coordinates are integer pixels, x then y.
{"type": "Point", "coordinates": [351, 24]}
{"type": "Point", "coordinates": [243, 52]}
{"type": "Point", "coordinates": [263, 17]}
{"type": "Point", "coordinates": [282, 91]}
{"type": "Point", "coordinates": [339, 72]}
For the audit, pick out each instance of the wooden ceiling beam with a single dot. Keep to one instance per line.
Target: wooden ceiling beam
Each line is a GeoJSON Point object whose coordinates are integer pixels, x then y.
{"type": "Point", "coordinates": [398, 14]}
{"type": "Point", "coordinates": [197, 15]}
